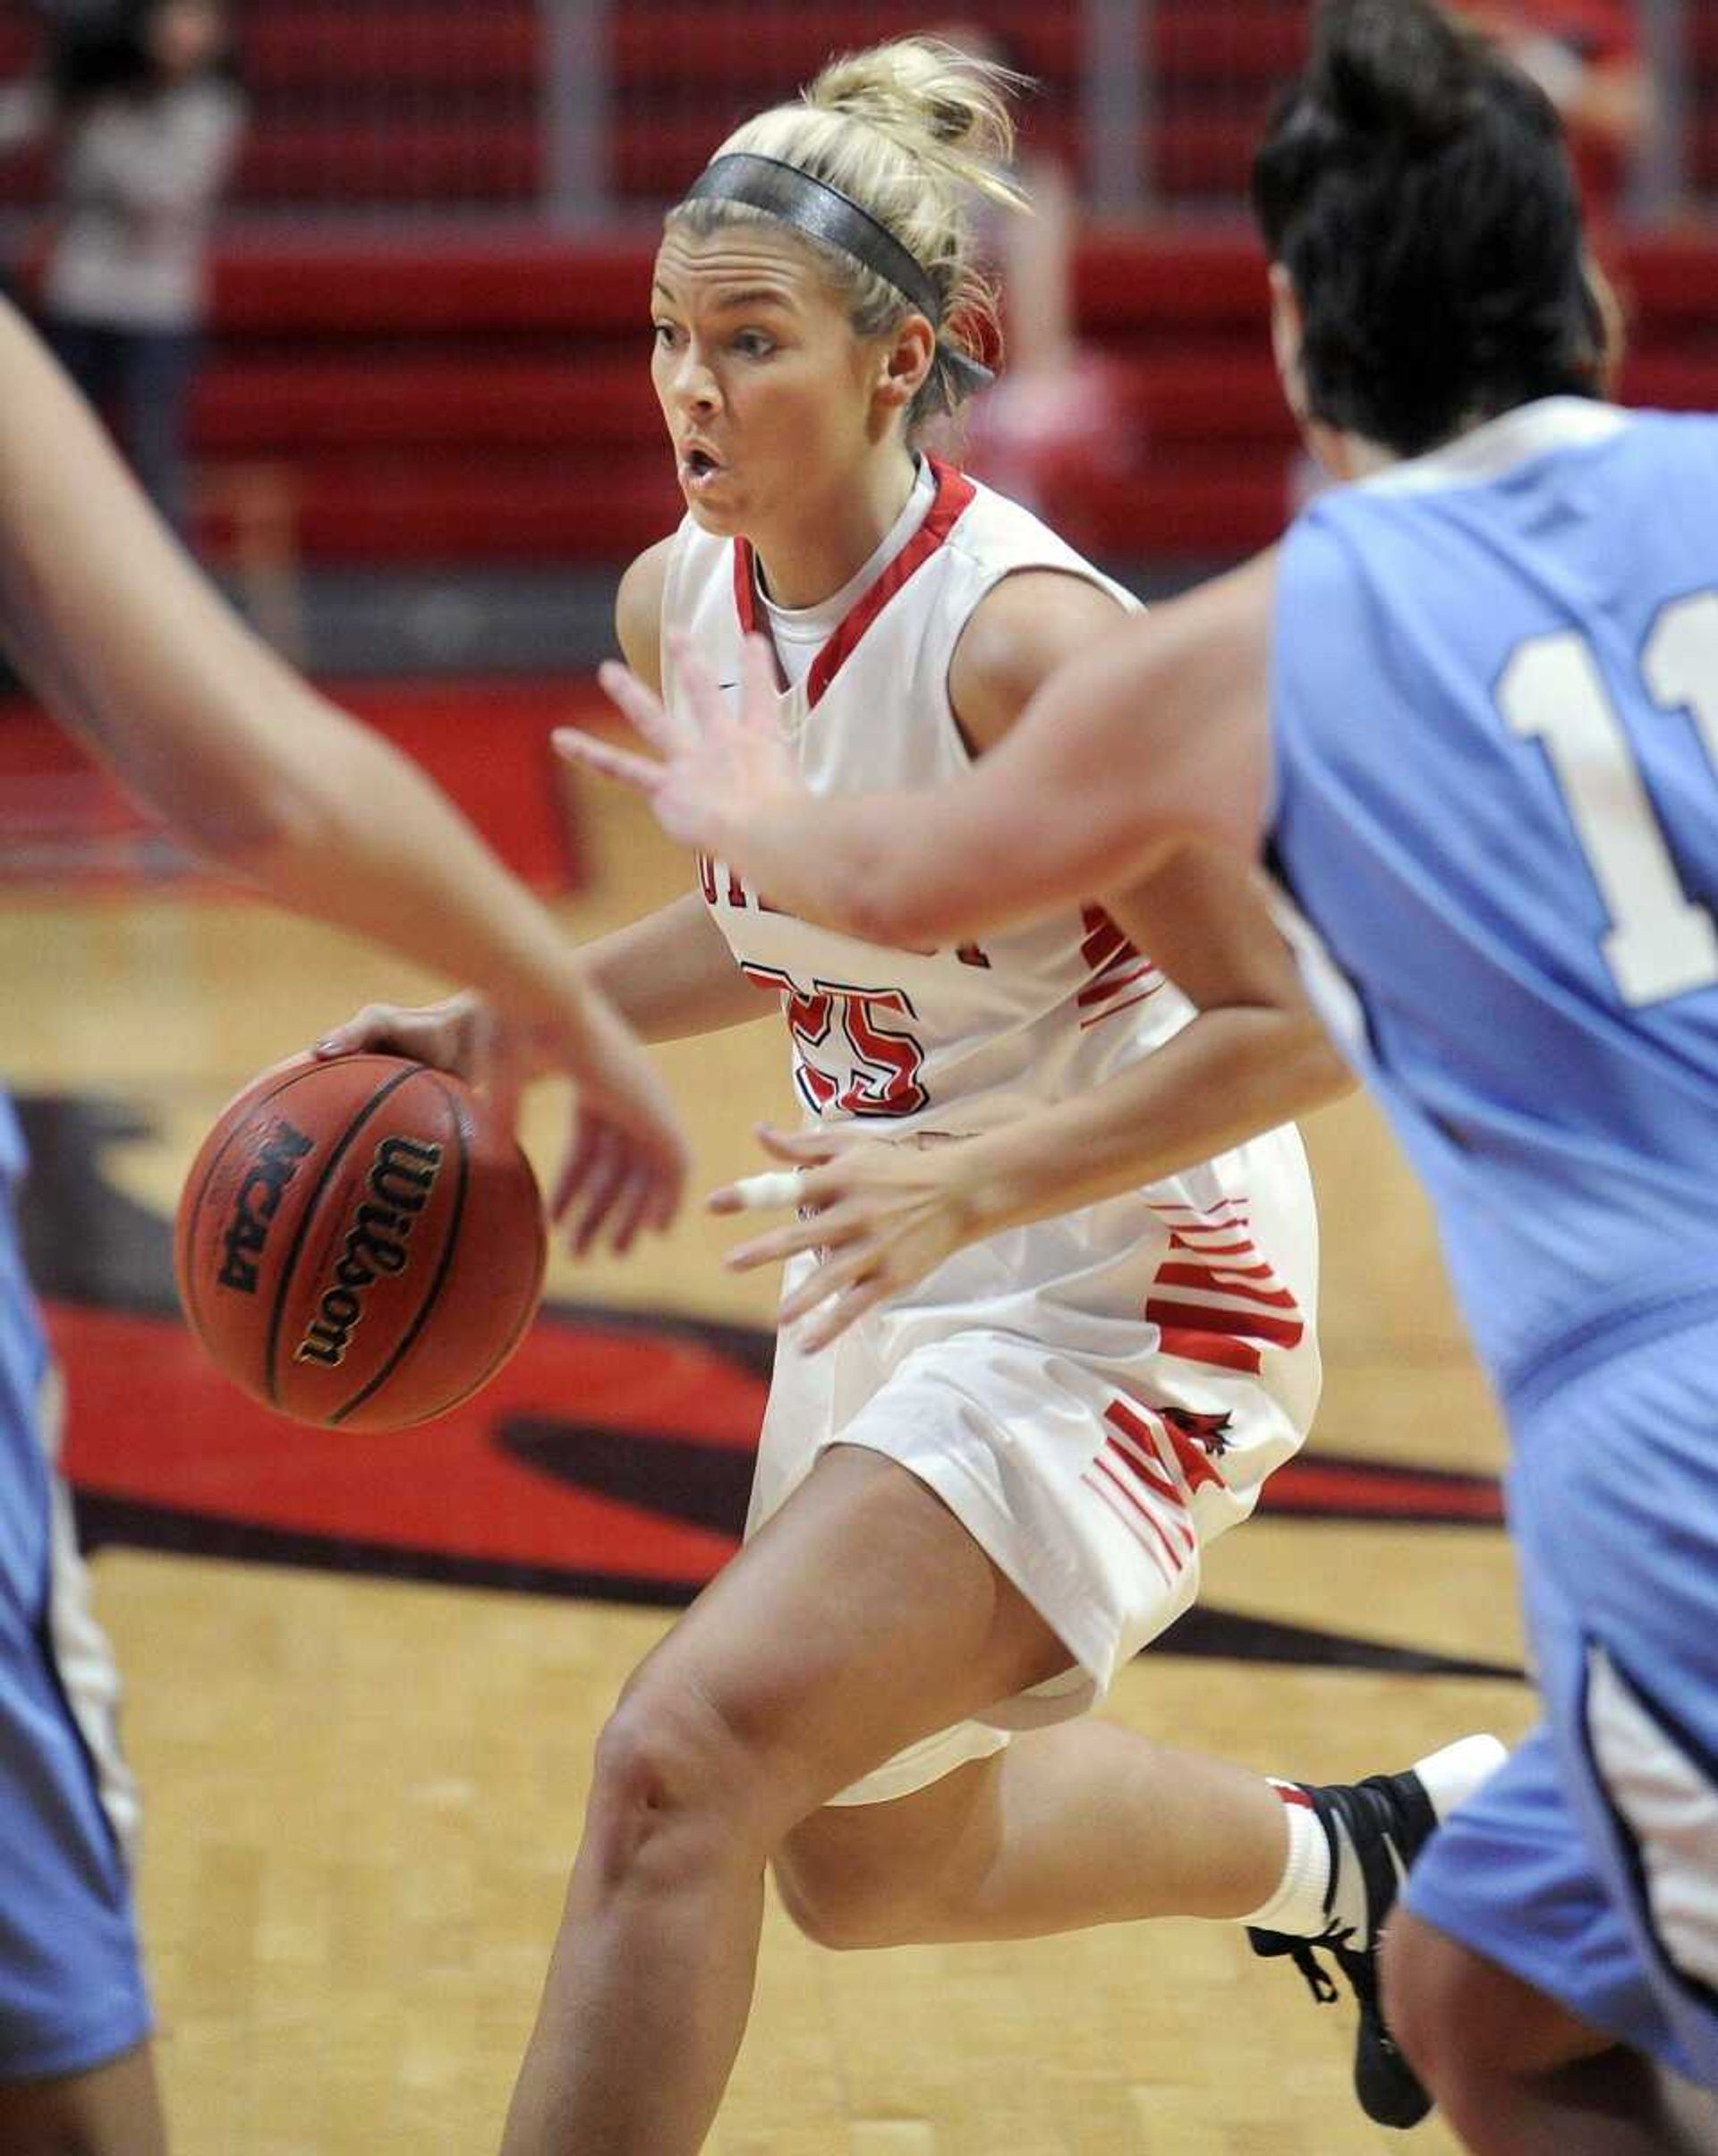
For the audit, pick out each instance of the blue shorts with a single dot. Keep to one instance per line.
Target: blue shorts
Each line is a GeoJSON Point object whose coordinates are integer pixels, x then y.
{"type": "Point", "coordinates": [71, 1989]}
{"type": "Point", "coordinates": [1589, 1865]}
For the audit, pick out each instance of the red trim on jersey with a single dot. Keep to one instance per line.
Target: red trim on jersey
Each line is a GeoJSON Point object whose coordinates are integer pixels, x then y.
{"type": "Point", "coordinates": [745, 588]}
{"type": "Point", "coordinates": [1118, 1455]}
{"type": "Point", "coordinates": [1224, 1351]}
{"type": "Point", "coordinates": [1105, 985]}
{"type": "Point", "coordinates": [1202, 1318]}
{"type": "Point", "coordinates": [1206, 1248]}
{"type": "Point", "coordinates": [1238, 1281]}
{"type": "Point", "coordinates": [954, 495]}
{"type": "Point", "coordinates": [1116, 1009]}
{"type": "Point", "coordinates": [1171, 1553]}
{"type": "Point", "coordinates": [953, 498]}
{"type": "Point", "coordinates": [1292, 1793]}
{"type": "Point", "coordinates": [1132, 1442]}
{"type": "Point", "coordinates": [1104, 941]}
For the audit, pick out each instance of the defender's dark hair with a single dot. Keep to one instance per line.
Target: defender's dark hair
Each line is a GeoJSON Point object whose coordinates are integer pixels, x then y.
{"type": "Point", "coordinates": [1415, 187]}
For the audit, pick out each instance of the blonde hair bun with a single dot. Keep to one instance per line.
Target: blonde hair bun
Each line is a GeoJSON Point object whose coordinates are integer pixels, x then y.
{"type": "Point", "coordinates": [912, 131]}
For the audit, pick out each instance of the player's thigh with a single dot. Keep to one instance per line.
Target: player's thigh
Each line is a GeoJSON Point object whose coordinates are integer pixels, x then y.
{"type": "Point", "coordinates": [860, 1618]}
{"type": "Point", "coordinates": [114, 2109]}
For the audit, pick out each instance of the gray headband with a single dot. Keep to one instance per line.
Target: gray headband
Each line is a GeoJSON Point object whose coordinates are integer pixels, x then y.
{"type": "Point", "coordinates": [821, 212]}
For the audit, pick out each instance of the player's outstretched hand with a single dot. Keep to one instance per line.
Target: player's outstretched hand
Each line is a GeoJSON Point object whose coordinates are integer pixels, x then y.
{"type": "Point", "coordinates": [883, 1214]}
{"type": "Point", "coordinates": [716, 775]}
{"type": "Point", "coordinates": [625, 1165]}
{"type": "Point", "coordinates": [625, 1169]}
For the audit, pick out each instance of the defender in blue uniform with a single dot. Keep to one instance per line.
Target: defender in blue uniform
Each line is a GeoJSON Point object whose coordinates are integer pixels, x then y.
{"type": "Point", "coordinates": [1471, 708]}
{"type": "Point", "coordinates": [1496, 797]}
{"type": "Point", "coordinates": [72, 1991]}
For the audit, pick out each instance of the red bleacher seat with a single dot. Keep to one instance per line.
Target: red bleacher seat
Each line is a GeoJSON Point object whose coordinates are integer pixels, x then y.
{"type": "Point", "coordinates": [484, 403]}
{"type": "Point", "coordinates": [409, 44]}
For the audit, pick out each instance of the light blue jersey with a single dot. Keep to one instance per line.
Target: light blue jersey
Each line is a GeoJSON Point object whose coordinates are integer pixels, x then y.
{"type": "Point", "coordinates": [1495, 705]}
{"type": "Point", "coordinates": [1495, 712]}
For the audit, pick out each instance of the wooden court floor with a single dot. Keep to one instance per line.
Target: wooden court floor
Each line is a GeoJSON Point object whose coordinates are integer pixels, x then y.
{"type": "Point", "coordinates": [362, 1795]}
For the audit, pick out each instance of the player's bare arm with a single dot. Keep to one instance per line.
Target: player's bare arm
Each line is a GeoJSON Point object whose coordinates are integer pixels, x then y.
{"type": "Point", "coordinates": [1152, 736]}
{"type": "Point", "coordinates": [133, 651]}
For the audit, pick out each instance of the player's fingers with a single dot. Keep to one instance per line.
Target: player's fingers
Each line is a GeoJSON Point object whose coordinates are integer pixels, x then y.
{"type": "Point", "coordinates": [638, 772]}
{"type": "Point", "coordinates": [802, 1147]}
{"type": "Point", "coordinates": [810, 1191]}
{"type": "Point", "coordinates": [822, 1231]}
{"type": "Point", "coordinates": [758, 692]}
{"type": "Point", "coordinates": [861, 1260]}
{"type": "Point", "coordinates": [759, 1193]}
{"type": "Point", "coordinates": [376, 1024]}
{"type": "Point", "coordinates": [645, 710]}
{"type": "Point", "coordinates": [602, 1186]}
{"type": "Point", "coordinates": [667, 1192]}
{"type": "Point", "coordinates": [708, 706]}
{"type": "Point", "coordinates": [581, 1158]}
{"type": "Point", "coordinates": [840, 1311]}
{"type": "Point", "coordinates": [633, 1208]}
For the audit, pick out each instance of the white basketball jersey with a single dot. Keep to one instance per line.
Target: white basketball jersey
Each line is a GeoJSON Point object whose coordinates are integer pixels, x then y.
{"type": "Point", "coordinates": [955, 1039]}
{"type": "Point", "coordinates": [961, 1040]}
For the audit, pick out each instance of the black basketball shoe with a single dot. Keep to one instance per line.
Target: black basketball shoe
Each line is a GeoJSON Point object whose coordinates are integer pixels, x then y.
{"type": "Point", "coordinates": [1375, 1829]}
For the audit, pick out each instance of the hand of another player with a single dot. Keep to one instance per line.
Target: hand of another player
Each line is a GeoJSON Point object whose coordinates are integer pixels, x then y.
{"type": "Point", "coordinates": [625, 1164]}
{"type": "Point", "coordinates": [625, 1167]}
{"type": "Point", "coordinates": [883, 1213]}
{"type": "Point", "coordinates": [716, 775]}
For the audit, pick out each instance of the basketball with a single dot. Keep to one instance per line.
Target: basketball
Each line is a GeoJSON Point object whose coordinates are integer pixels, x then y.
{"type": "Point", "coordinates": [360, 1243]}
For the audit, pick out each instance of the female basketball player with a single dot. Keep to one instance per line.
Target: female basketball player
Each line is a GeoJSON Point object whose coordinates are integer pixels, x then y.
{"type": "Point", "coordinates": [996, 1488]}
{"type": "Point", "coordinates": [133, 652]}
{"type": "Point", "coordinates": [1473, 700]}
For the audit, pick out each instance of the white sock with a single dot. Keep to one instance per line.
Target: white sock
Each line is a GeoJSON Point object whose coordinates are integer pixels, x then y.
{"type": "Point", "coordinates": [1323, 1887]}
{"type": "Point", "coordinates": [1300, 1906]}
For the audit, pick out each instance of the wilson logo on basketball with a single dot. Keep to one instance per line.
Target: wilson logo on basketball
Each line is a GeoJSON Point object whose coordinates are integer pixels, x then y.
{"type": "Point", "coordinates": [258, 1201]}
{"type": "Point", "coordinates": [401, 1179]}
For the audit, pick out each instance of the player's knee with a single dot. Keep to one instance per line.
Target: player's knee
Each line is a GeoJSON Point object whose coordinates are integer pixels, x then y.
{"type": "Point", "coordinates": [1416, 1998]}
{"type": "Point", "coordinates": [674, 1790]}
{"type": "Point", "coordinates": [1445, 2010]}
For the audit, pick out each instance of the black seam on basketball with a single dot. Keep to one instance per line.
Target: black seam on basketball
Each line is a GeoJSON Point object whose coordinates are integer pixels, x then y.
{"type": "Point", "coordinates": [192, 1297]}
{"type": "Point", "coordinates": [449, 1244]}
{"type": "Point", "coordinates": [309, 1214]}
